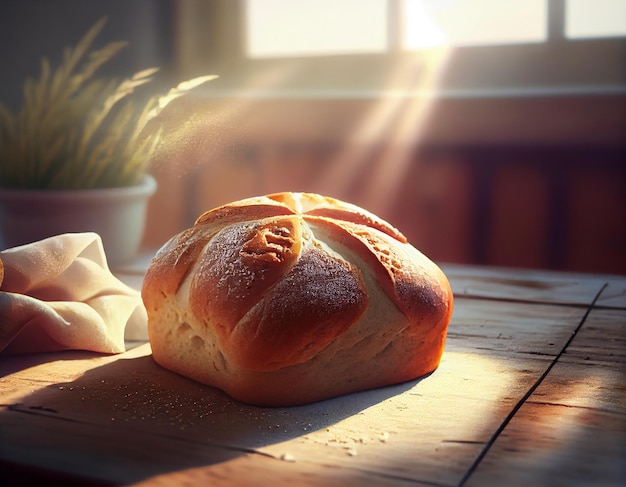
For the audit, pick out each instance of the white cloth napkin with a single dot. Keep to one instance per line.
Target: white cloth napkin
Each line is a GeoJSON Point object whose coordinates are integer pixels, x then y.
{"type": "Point", "coordinates": [59, 294]}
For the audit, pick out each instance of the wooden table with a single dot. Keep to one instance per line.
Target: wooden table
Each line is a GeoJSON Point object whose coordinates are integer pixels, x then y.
{"type": "Point", "coordinates": [531, 391]}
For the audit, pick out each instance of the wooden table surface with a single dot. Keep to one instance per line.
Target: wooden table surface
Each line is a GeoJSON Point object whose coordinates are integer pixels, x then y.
{"type": "Point", "coordinates": [531, 391]}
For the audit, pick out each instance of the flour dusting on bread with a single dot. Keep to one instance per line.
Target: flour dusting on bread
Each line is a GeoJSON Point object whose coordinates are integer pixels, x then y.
{"type": "Point", "coordinates": [293, 298]}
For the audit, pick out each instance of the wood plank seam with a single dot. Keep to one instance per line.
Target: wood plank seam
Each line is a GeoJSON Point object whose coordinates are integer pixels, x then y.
{"type": "Point", "coordinates": [46, 413]}
{"type": "Point", "coordinates": [529, 393]}
{"type": "Point", "coordinates": [575, 406]}
{"type": "Point", "coordinates": [524, 301]}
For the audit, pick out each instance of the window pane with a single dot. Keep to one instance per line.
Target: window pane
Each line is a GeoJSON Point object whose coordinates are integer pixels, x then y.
{"type": "Point", "coordinates": [595, 18]}
{"type": "Point", "coordinates": [315, 27]}
{"type": "Point", "coordinates": [431, 23]}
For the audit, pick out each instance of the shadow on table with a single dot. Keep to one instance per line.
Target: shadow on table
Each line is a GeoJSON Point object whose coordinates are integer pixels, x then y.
{"type": "Point", "coordinates": [10, 364]}
{"type": "Point", "coordinates": [131, 419]}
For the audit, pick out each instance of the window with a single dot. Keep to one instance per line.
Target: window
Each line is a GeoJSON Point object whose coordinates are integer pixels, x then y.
{"type": "Point", "coordinates": [276, 28]}
{"type": "Point", "coordinates": [431, 23]}
{"type": "Point", "coordinates": [301, 27]}
{"type": "Point", "coordinates": [362, 48]}
{"type": "Point", "coordinates": [593, 19]}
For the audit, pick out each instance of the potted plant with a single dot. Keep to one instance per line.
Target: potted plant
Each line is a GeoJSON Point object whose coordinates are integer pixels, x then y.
{"type": "Point", "coordinates": [76, 156]}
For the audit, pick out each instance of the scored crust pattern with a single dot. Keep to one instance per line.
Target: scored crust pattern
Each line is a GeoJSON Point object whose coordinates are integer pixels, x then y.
{"type": "Point", "coordinates": [280, 278]}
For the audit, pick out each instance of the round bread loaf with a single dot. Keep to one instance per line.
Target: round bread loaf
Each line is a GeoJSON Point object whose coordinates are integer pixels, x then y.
{"type": "Point", "coordinates": [292, 298]}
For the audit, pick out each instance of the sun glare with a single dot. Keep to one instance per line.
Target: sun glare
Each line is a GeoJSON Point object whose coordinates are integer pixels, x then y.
{"type": "Point", "coordinates": [422, 30]}
{"type": "Point", "coordinates": [431, 23]}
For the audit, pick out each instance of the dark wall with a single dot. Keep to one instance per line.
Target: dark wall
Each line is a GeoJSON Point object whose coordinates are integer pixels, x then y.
{"type": "Point", "coordinates": [32, 29]}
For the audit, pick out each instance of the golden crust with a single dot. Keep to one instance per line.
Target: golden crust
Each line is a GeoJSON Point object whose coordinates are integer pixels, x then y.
{"type": "Point", "coordinates": [239, 265]}
{"type": "Point", "coordinates": [293, 298]}
{"type": "Point", "coordinates": [316, 301]}
{"type": "Point", "coordinates": [317, 205]}
{"type": "Point", "coordinates": [174, 260]}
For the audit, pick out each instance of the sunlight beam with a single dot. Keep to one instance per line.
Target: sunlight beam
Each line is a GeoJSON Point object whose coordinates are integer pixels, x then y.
{"type": "Point", "coordinates": [380, 149]}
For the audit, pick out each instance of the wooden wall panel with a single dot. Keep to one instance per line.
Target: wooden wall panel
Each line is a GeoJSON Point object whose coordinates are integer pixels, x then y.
{"type": "Point", "coordinates": [433, 208]}
{"type": "Point", "coordinates": [230, 176]}
{"type": "Point", "coordinates": [485, 201]}
{"type": "Point", "coordinates": [166, 208]}
{"type": "Point", "coordinates": [596, 238]}
{"type": "Point", "coordinates": [519, 216]}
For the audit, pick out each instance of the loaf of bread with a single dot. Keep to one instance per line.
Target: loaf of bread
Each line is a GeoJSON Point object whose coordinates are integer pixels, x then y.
{"type": "Point", "coordinates": [293, 298]}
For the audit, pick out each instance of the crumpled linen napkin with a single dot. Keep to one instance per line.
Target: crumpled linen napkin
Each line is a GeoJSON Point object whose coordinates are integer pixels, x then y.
{"type": "Point", "coordinates": [59, 294]}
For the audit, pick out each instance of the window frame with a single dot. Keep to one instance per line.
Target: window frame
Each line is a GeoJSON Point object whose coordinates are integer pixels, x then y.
{"type": "Point", "coordinates": [558, 66]}
{"type": "Point", "coordinates": [579, 99]}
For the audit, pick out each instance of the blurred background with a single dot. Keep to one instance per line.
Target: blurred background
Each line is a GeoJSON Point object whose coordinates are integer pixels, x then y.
{"type": "Point", "coordinates": [490, 132]}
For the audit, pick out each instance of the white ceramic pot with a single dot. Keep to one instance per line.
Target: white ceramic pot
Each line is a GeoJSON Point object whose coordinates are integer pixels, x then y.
{"type": "Point", "coordinates": [116, 214]}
